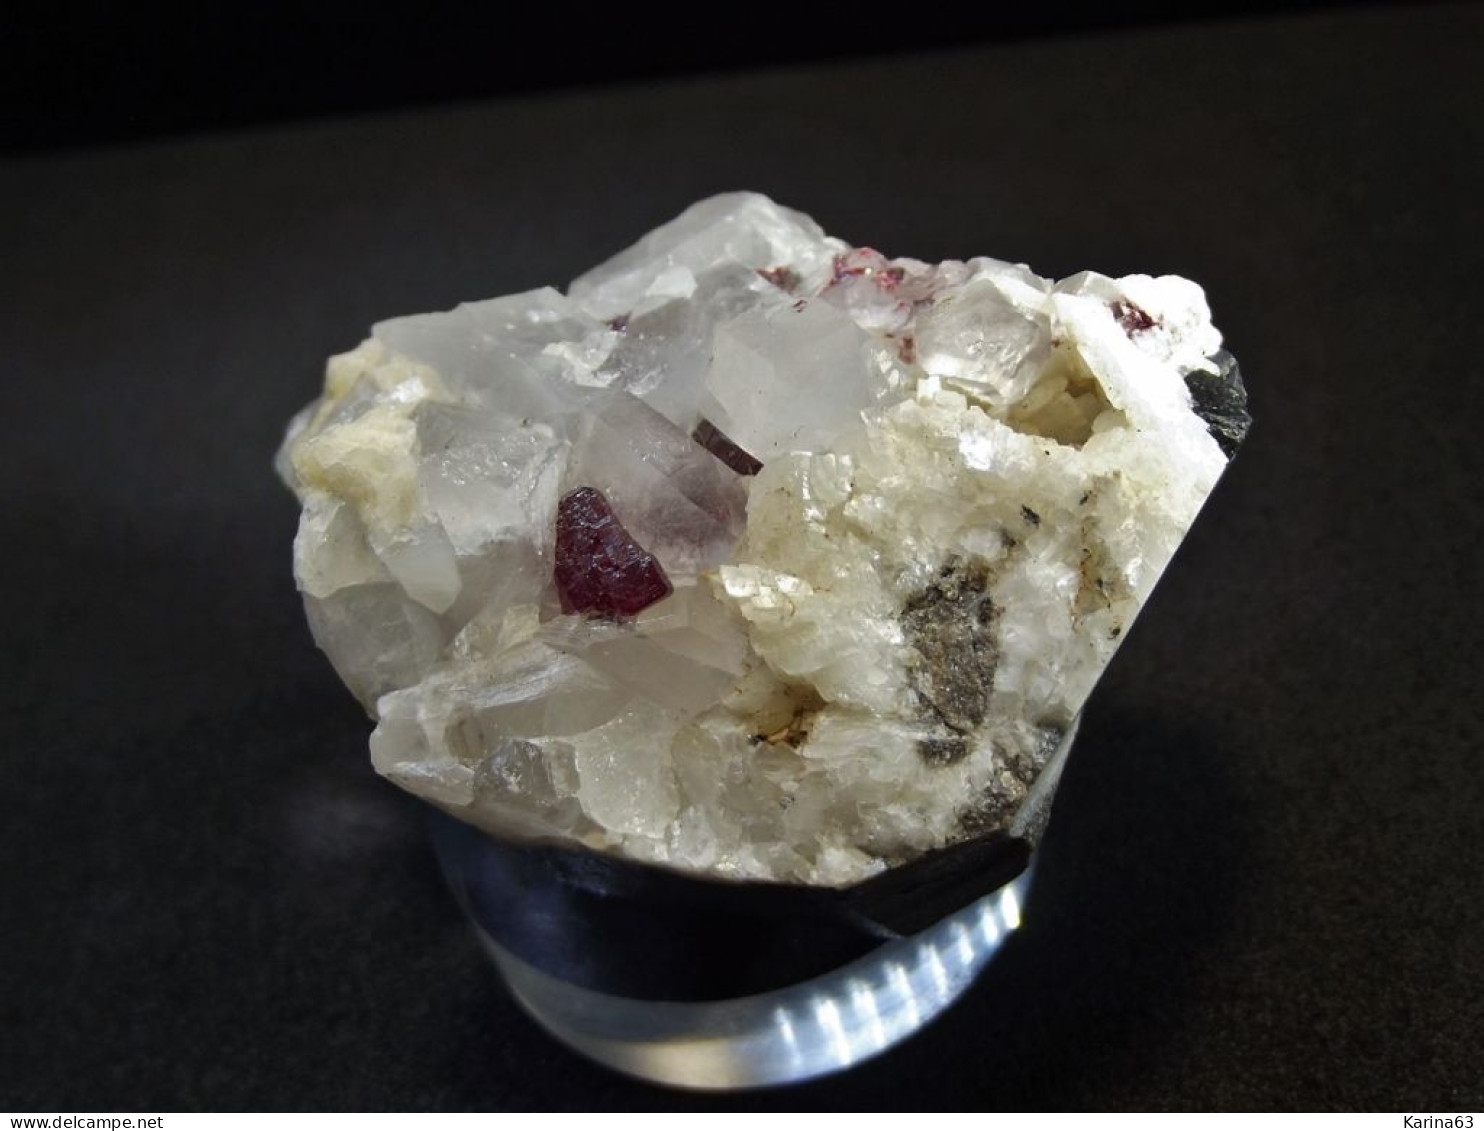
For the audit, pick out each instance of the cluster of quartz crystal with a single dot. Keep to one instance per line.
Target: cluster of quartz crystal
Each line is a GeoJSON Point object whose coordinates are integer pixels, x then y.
{"type": "Point", "coordinates": [756, 554]}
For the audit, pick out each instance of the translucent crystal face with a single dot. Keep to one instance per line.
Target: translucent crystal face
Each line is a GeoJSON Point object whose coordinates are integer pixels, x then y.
{"type": "Point", "coordinates": [756, 554]}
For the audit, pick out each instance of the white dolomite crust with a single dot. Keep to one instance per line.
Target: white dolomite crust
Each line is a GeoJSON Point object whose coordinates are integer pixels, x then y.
{"type": "Point", "coordinates": [972, 478]}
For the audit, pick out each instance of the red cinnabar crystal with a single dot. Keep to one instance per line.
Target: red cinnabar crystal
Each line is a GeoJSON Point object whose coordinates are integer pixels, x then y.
{"type": "Point", "coordinates": [719, 444]}
{"type": "Point", "coordinates": [599, 567]}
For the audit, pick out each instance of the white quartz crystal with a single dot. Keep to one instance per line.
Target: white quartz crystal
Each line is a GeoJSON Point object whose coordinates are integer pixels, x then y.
{"type": "Point", "coordinates": [971, 479]}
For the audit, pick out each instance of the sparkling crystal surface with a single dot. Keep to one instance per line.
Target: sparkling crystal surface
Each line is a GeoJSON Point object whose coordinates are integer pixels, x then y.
{"type": "Point", "coordinates": [756, 553]}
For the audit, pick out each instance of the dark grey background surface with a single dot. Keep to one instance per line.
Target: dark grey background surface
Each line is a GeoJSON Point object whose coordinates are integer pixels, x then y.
{"type": "Point", "coordinates": [1262, 883]}
{"type": "Point", "coordinates": [86, 72]}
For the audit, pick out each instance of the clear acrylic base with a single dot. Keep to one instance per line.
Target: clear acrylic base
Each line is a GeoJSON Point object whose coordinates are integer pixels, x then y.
{"type": "Point", "coordinates": [810, 1029]}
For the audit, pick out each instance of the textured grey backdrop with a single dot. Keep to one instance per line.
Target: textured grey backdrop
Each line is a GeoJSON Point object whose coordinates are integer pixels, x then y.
{"type": "Point", "coordinates": [1261, 885]}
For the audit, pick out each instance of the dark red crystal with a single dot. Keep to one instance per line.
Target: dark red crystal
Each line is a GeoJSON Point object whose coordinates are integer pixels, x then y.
{"type": "Point", "coordinates": [1133, 319]}
{"type": "Point", "coordinates": [719, 444]}
{"type": "Point", "coordinates": [600, 569]}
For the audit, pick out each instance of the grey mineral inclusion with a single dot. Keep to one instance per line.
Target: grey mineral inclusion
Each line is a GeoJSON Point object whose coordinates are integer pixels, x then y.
{"type": "Point", "coordinates": [904, 514]}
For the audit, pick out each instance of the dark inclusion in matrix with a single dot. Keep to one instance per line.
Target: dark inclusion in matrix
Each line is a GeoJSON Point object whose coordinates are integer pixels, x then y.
{"type": "Point", "coordinates": [600, 568]}
{"type": "Point", "coordinates": [719, 444]}
{"type": "Point", "coordinates": [1220, 399]}
{"type": "Point", "coordinates": [951, 625]}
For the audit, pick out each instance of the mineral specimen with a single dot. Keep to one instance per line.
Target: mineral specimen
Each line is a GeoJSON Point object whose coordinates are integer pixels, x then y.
{"type": "Point", "coordinates": [755, 554]}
